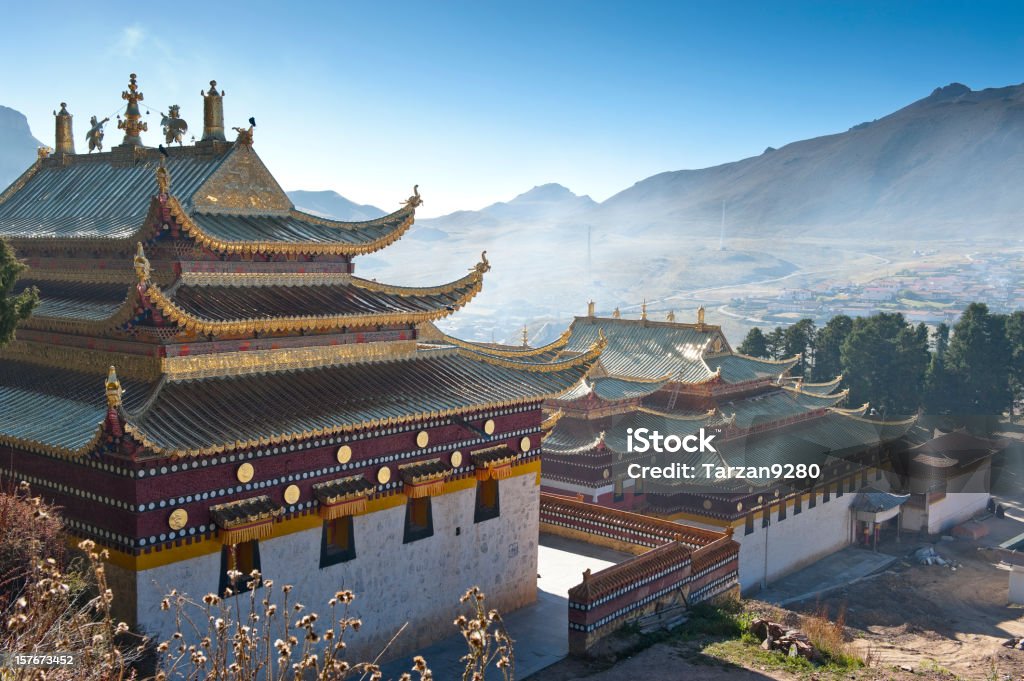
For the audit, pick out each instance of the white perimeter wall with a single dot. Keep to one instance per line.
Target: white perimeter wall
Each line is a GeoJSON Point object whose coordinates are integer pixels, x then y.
{"type": "Point", "coordinates": [394, 583]}
{"type": "Point", "coordinates": [795, 542]}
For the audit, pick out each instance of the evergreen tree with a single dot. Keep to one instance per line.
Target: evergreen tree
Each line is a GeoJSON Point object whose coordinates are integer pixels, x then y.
{"type": "Point", "coordinates": [13, 308]}
{"type": "Point", "coordinates": [884, 362]}
{"type": "Point", "coordinates": [775, 341]}
{"type": "Point", "coordinates": [979, 359]}
{"type": "Point", "coordinates": [938, 385]}
{"type": "Point", "coordinates": [754, 344]}
{"type": "Point", "coordinates": [827, 345]}
{"type": "Point", "coordinates": [798, 339]}
{"type": "Point", "coordinates": [1015, 337]}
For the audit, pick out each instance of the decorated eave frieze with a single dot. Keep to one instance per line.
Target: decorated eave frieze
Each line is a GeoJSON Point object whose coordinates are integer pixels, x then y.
{"type": "Point", "coordinates": [509, 353]}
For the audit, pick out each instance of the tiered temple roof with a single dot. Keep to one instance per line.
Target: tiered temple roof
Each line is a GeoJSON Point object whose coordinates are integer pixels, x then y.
{"type": "Point", "coordinates": [676, 379]}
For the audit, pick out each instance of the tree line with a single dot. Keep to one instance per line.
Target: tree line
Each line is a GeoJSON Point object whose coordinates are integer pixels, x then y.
{"type": "Point", "coordinates": [972, 372]}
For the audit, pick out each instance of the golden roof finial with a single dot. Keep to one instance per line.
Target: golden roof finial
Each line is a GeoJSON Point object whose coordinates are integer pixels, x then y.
{"type": "Point", "coordinates": [616, 314]}
{"type": "Point", "coordinates": [163, 181]}
{"type": "Point", "coordinates": [700, 315]}
{"type": "Point", "coordinates": [590, 308]}
{"type": "Point", "coordinates": [141, 264]}
{"type": "Point", "coordinates": [43, 152]}
{"type": "Point", "coordinates": [64, 139]}
{"type": "Point", "coordinates": [671, 316]}
{"type": "Point", "coordinates": [132, 123]}
{"type": "Point", "coordinates": [643, 309]}
{"type": "Point", "coordinates": [113, 388]}
{"type": "Point", "coordinates": [213, 114]}
{"type": "Point", "coordinates": [526, 337]}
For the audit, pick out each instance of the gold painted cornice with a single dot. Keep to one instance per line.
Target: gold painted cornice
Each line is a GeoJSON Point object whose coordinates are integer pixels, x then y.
{"type": "Point", "coordinates": [195, 231]}
{"type": "Point", "coordinates": [592, 353]}
{"type": "Point", "coordinates": [557, 344]}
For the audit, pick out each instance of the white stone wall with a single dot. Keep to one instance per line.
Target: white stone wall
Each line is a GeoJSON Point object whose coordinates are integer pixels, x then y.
{"type": "Point", "coordinates": [1016, 592]}
{"type": "Point", "coordinates": [795, 542]}
{"type": "Point", "coordinates": [394, 583]}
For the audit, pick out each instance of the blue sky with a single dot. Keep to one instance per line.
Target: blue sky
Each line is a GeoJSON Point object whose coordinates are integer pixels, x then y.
{"type": "Point", "coordinates": [479, 101]}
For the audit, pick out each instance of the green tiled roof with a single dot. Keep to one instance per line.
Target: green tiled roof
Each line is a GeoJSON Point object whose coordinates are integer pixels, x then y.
{"type": "Point", "coordinates": [740, 368]}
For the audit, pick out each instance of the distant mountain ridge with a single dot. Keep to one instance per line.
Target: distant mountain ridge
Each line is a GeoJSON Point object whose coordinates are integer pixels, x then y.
{"type": "Point", "coordinates": [331, 204]}
{"type": "Point", "coordinates": [17, 145]}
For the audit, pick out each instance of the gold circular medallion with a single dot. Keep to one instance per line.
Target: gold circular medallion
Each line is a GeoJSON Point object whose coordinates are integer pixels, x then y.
{"type": "Point", "coordinates": [525, 444]}
{"type": "Point", "coordinates": [245, 472]}
{"type": "Point", "coordinates": [707, 504]}
{"type": "Point", "coordinates": [291, 494]}
{"type": "Point", "coordinates": [344, 454]}
{"type": "Point", "coordinates": [383, 475]}
{"type": "Point", "coordinates": [606, 473]}
{"type": "Point", "coordinates": [456, 459]}
{"type": "Point", "coordinates": [422, 439]}
{"type": "Point", "coordinates": [178, 519]}
{"type": "Point", "coordinates": [489, 426]}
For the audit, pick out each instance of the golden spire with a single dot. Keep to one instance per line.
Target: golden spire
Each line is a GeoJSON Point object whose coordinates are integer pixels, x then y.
{"type": "Point", "coordinates": [671, 316]}
{"type": "Point", "coordinates": [590, 309]}
{"type": "Point", "coordinates": [132, 123]}
{"type": "Point", "coordinates": [700, 315]}
{"type": "Point", "coordinates": [616, 314]}
{"type": "Point", "coordinates": [64, 141]}
{"type": "Point", "coordinates": [114, 391]}
{"type": "Point", "coordinates": [526, 337]}
{"type": "Point", "coordinates": [213, 114]}
{"type": "Point", "coordinates": [643, 310]}
{"type": "Point", "coordinates": [163, 181]}
{"type": "Point", "coordinates": [141, 264]}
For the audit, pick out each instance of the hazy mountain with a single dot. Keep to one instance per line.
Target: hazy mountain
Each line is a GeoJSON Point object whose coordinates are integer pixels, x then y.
{"type": "Point", "coordinates": [951, 161]}
{"type": "Point", "coordinates": [543, 204]}
{"type": "Point", "coordinates": [331, 204]}
{"type": "Point", "coordinates": [17, 146]}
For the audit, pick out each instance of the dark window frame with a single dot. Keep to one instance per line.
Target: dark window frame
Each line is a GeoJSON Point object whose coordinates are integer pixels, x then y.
{"type": "Point", "coordinates": [415, 531]}
{"type": "Point", "coordinates": [483, 510]}
{"type": "Point", "coordinates": [331, 553]}
{"type": "Point", "coordinates": [225, 564]}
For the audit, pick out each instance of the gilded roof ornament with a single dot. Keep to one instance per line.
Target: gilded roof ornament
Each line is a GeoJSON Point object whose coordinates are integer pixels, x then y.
{"type": "Point", "coordinates": [174, 125]}
{"type": "Point", "coordinates": [43, 152]}
{"type": "Point", "coordinates": [213, 113]}
{"type": "Point", "coordinates": [64, 140]}
{"type": "Point", "coordinates": [590, 308]}
{"type": "Point", "coordinates": [643, 310]}
{"type": "Point", "coordinates": [671, 316]}
{"type": "Point", "coordinates": [245, 136]}
{"type": "Point", "coordinates": [141, 264]}
{"type": "Point", "coordinates": [414, 201]}
{"type": "Point", "coordinates": [484, 265]}
{"type": "Point", "coordinates": [113, 389]}
{"type": "Point", "coordinates": [95, 134]}
{"type": "Point", "coordinates": [163, 181]}
{"type": "Point", "coordinates": [526, 337]}
{"type": "Point", "coordinates": [132, 123]}
{"type": "Point", "coordinates": [700, 315]}
{"type": "Point", "coordinates": [616, 314]}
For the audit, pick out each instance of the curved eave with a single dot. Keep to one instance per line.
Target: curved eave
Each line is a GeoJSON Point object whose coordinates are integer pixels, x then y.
{"type": "Point", "coordinates": [72, 325]}
{"type": "Point", "coordinates": [584, 359]}
{"type": "Point", "coordinates": [480, 348]}
{"type": "Point", "coordinates": [838, 397]}
{"type": "Point", "coordinates": [471, 283]}
{"type": "Point", "coordinates": [55, 450]}
{"type": "Point", "coordinates": [404, 217]}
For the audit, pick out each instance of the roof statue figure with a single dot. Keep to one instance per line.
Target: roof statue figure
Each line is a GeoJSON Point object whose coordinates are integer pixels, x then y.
{"type": "Point", "coordinates": [174, 126]}
{"type": "Point", "coordinates": [132, 123]}
{"type": "Point", "coordinates": [244, 136]}
{"type": "Point", "coordinates": [95, 134]}
{"type": "Point", "coordinates": [671, 316]}
{"type": "Point", "coordinates": [616, 314]}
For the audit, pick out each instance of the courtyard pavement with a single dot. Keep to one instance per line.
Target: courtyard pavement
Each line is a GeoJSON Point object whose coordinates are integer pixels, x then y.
{"type": "Point", "coordinates": [540, 631]}
{"type": "Point", "coordinates": [831, 572]}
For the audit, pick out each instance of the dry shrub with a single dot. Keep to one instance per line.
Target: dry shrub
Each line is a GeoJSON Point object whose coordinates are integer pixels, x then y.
{"type": "Point", "coordinates": [29, 529]}
{"type": "Point", "coordinates": [52, 609]}
{"type": "Point", "coordinates": [260, 636]}
{"type": "Point", "coordinates": [829, 637]}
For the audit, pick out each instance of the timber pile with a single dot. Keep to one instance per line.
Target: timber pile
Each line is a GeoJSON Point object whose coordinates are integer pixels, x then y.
{"type": "Point", "coordinates": [774, 636]}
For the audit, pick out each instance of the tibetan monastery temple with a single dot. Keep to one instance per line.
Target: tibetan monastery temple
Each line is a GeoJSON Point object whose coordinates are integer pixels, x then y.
{"type": "Point", "coordinates": [206, 384]}
{"type": "Point", "coordinates": [677, 378]}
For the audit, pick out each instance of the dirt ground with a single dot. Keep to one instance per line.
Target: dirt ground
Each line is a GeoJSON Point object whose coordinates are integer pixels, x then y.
{"type": "Point", "coordinates": [932, 618]}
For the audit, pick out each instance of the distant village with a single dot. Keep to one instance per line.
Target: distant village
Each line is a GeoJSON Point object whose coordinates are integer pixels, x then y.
{"type": "Point", "coordinates": [932, 294]}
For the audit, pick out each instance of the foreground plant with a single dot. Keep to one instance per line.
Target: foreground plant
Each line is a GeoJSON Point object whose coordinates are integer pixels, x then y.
{"type": "Point", "coordinates": [255, 638]}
